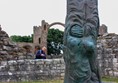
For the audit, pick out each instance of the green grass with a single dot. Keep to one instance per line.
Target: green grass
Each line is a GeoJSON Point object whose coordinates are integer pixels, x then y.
{"type": "Point", "coordinates": [51, 81]}
{"type": "Point", "coordinates": [54, 81]}
{"type": "Point", "coordinates": [106, 79]}
{"type": "Point", "coordinates": [110, 79]}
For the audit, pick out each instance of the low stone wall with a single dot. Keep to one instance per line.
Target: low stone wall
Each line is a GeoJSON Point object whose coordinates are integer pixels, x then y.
{"type": "Point", "coordinates": [31, 70]}
{"type": "Point", "coordinates": [47, 69]}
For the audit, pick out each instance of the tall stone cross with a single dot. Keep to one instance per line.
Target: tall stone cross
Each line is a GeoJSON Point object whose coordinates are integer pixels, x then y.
{"type": "Point", "coordinates": [81, 31]}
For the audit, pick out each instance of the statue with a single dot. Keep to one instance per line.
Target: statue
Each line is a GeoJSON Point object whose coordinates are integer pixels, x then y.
{"type": "Point", "coordinates": [81, 31]}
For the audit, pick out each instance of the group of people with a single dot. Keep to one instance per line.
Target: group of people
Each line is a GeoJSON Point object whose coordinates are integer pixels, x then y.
{"type": "Point", "coordinates": [40, 53]}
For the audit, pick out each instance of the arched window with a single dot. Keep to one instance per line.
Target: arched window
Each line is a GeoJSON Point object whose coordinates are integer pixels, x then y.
{"type": "Point", "coordinates": [39, 40]}
{"type": "Point", "coordinates": [45, 27]}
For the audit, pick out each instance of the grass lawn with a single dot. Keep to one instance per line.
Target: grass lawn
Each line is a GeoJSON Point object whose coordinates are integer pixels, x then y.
{"type": "Point", "coordinates": [52, 81]}
{"type": "Point", "coordinates": [105, 79]}
{"type": "Point", "coordinates": [110, 79]}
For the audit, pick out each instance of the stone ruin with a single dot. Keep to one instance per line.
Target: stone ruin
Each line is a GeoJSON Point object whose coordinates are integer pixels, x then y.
{"type": "Point", "coordinates": [9, 50]}
{"type": "Point", "coordinates": [41, 32]}
{"type": "Point", "coordinates": [32, 70]}
{"type": "Point", "coordinates": [107, 45]}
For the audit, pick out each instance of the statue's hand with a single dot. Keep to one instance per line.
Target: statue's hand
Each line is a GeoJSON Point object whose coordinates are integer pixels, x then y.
{"type": "Point", "coordinates": [77, 31]}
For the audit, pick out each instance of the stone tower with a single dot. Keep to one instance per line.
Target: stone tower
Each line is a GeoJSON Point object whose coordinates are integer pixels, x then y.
{"type": "Point", "coordinates": [40, 34]}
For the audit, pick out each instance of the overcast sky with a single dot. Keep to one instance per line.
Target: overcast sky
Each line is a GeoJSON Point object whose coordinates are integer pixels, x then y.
{"type": "Point", "coordinates": [17, 17]}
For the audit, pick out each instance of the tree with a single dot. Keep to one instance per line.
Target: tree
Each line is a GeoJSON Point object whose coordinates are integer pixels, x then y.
{"type": "Point", "coordinates": [18, 38]}
{"type": "Point", "coordinates": [55, 40]}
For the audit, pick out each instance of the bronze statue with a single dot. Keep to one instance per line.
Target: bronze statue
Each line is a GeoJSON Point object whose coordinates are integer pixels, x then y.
{"type": "Point", "coordinates": [81, 31]}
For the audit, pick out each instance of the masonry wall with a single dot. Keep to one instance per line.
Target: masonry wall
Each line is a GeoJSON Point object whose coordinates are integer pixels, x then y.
{"type": "Point", "coordinates": [108, 54]}
{"type": "Point", "coordinates": [47, 69]}
{"type": "Point", "coordinates": [31, 70]}
{"type": "Point", "coordinates": [40, 34]}
{"type": "Point", "coordinates": [8, 49]}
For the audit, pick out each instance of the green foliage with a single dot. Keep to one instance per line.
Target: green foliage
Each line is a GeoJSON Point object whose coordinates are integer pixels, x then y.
{"type": "Point", "coordinates": [18, 38]}
{"type": "Point", "coordinates": [55, 36]}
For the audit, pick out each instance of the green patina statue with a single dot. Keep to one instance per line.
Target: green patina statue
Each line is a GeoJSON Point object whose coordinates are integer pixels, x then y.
{"type": "Point", "coordinates": [81, 31]}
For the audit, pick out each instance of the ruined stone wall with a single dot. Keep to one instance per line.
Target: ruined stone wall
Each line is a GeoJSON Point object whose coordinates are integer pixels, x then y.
{"type": "Point", "coordinates": [22, 44]}
{"type": "Point", "coordinates": [108, 54]}
{"type": "Point", "coordinates": [22, 70]}
{"type": "Point", "coordinates": [31, 70]}
{"type": "Point", "coordinates": [49, 69]}
{"type": "Point", "coordinates": [29, 46]}
{"type": "Point", "coordinates": [9, 50]}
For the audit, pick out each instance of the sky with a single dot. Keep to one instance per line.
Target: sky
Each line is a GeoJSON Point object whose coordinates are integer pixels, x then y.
{"type": "Point", "coordinates": [17, 17]}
